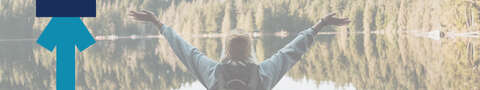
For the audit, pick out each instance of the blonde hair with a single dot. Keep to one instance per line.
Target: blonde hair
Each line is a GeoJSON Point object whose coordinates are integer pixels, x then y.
{"type": "Point", "coordinates": [238, 47]}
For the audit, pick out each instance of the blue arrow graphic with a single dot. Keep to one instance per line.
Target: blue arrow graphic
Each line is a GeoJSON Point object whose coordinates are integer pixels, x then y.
{"type": "Point", "coordinates": [65, 33]}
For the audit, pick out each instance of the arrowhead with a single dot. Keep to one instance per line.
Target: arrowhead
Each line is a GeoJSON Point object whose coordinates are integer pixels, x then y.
{"type": "Point", "coordinates": [66, 30]}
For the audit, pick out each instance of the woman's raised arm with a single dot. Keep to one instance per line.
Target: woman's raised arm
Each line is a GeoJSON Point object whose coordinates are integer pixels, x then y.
{"type": "Point", "coordinates": [278, 64]}
{"type": "Point", "coordinates": [196, 62]}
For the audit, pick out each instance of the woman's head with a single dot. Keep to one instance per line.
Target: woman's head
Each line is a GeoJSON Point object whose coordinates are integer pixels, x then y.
{"type": "Point", "coordinates": [238, 47]}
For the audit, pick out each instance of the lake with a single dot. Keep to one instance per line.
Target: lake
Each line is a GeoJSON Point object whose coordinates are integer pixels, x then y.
{"type": "Point", "coordinates": [130, 55]}
{"type": "Point", "coordinates": [336, 61]}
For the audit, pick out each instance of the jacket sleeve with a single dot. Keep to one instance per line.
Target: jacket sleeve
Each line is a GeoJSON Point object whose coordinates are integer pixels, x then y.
{"type": "Point", "coordinates": [196, 62]}
{"type": "Point", "coordinates": [273, 68]}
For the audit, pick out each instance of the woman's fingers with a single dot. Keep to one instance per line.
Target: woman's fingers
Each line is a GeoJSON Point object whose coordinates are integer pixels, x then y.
{"type": "Point", "coordinates": [140, 19]}
{"type": "Point", "coordinates": [135, 14]}
{"type": "Point", "coordinates": [132, 13]}
{"type": "Point", "coordinates": [330, 19]}
{"type": "Point", "coordinates": [345, 20]}
{"type": "Point", "coordinates": [142, 15]}
{"type": "Point", "coordinates": [338, 21]}
{"type": "Point", "coordinates": [146, 12]}
{"type": "Point", "coordinates": [331, 15]}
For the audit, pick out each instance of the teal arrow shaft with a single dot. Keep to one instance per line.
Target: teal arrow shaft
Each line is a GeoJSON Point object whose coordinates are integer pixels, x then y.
{"type": "Point", "coordinates": [66, 34]}
{"type": "Point", "coordinates": [65, 66]}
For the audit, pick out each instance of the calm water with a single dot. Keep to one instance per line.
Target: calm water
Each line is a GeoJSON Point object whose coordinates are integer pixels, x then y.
{"type": "Point", "coordinates": [130, 55]}
{"type": "Point", "coordinates": [342, 61]}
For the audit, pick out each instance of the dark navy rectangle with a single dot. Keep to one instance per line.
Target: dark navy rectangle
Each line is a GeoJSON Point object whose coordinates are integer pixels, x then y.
{"type": "Point", "coordinates": [66, 8]}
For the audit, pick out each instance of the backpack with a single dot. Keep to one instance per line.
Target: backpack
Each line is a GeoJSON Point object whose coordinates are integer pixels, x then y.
{"type": "Point", "coordinates": [236, 76]}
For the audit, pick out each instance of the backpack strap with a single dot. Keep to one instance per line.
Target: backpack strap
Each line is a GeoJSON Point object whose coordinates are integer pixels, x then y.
{"type": "Point", "coordinates": [219, 78]}
{"type": "Point", "coordinates": [254, 79]}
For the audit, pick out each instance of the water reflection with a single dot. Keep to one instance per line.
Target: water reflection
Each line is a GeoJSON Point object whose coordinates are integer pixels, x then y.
{"type": "Point", "coordinates": [365, 61]}
{"type": "Point", "coordinates": [351, 58]}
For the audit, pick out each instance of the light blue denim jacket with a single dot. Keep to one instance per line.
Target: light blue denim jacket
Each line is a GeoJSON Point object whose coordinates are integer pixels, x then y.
{"type": "Point", "coordinates": [271, 70]}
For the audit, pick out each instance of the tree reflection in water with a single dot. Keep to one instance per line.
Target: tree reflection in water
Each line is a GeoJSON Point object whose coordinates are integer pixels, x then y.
{"type": "Point", "coordinates": [389, 59]}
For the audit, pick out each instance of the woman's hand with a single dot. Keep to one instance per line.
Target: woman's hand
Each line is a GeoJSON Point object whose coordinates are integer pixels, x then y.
{"type": "Point", "coordinates": [330, 20]}
{"type": "Point", "coordinates": [144, 15]}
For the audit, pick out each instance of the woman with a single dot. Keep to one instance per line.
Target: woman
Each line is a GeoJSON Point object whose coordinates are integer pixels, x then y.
{"type": "Point", "coordinates": [237, 71]}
